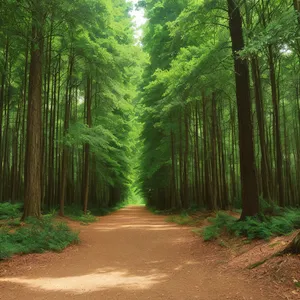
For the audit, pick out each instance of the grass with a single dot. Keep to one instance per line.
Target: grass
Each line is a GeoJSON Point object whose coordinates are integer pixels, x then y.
{"type": "Point", "coordinates": [75, 213]}
{"type": "Point", "coordinates": [183, 219]}
{"type": "Point", "coordinates": [36, 236]}
{"type": "Point", "coordinates": [40, 235]}
{"type": "Point", "coordinates": [33, 235]}
{"type": "Point", "coordinates": [261, 227]}
{"type": "Point", "coordinates": [10, 211]}
{"type": "Point", "coordinates": [175, 211]}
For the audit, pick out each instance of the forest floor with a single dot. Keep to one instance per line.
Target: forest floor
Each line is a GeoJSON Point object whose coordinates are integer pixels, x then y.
{"type": "Point", "coordinates": [133, 254]}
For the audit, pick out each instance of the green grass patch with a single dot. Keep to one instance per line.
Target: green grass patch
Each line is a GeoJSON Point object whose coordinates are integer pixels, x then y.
{"type": "Point", "coordinates": [176, 211]}
{"type": "Point", "coordinates": [10, 211]}
{"type": "Point", "coordinates": [182, 220]}
{"type": "Point", "coordinates": [103, 211]}
{"type": "Point", "coordinates": [261, 227]}
{"type": "Point", "coordinates": [36, 236]}
{"type": "Point", "coordinates": [75, 213]}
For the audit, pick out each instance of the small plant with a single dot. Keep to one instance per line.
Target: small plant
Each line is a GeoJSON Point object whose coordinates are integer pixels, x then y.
{"type": "Point", "coordinates": [181, 220]}
{"type": "Point", "coordinates": [36, 236]}
{"type": "Point", "coordinates": [75, 213]}
{"type": "Point", "coordinates": [10, 211]}
{"type": "Point", "coordinates": [262, 227]}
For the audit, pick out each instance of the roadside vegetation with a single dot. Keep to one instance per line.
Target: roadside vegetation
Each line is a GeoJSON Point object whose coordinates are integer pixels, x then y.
{"type": "Point", "coordinates": [275, 221]}
{"type": "Point", "coordinates": [33, 235]}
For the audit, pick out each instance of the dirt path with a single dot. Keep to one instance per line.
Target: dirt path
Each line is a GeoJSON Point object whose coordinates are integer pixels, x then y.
{"type": "Point", "coordinates": [130, 254]}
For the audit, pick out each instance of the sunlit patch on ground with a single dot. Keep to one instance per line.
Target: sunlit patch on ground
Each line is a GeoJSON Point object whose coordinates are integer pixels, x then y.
{"type": "Point", "coordinates": [97, 281]}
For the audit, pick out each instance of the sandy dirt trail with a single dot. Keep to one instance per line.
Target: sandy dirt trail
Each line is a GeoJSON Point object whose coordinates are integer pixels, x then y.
{"type": "Point", "coordinates": [130, 254]}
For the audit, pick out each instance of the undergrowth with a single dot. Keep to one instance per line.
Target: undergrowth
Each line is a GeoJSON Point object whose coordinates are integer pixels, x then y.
{"type": "Point", "coordinates": [182, 219]}
{"type": "Point", "coordinates": [175, 211]}
{"type": "Point", "coordinates": [260, 227]}
{"type": "Point", "coordinates": [36, 236]}
{"type": "Point", "coordinates": [75, 213]}
{"type": "Point", "coordinates": [10, 211]}
{"type": "Point", "coordinates": [103, 211]}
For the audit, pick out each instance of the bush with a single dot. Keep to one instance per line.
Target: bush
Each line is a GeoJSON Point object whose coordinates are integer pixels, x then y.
{"type": "Point", "coordinates": [103, 211]}
{"type": "Point", "coordinates": [75, 213]}
{"type": "Point", "coordinates": [36, 236]}
{"type": "Point", "coordinates": [221, 222]}
{"type": "Point", "coordinates": [181, 220]}
{"type": "Point", "coordinates": [10, 211]}
{"type": "Point", "coordinates": [261, 227]}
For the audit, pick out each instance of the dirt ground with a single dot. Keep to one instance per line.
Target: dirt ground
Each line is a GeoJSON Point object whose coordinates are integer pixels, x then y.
{"type": "Point", "coordinates": [133, 254]}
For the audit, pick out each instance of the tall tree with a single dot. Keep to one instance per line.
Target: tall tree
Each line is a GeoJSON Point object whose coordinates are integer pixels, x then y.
{"type": "Point", "coordinates": [33, 163]}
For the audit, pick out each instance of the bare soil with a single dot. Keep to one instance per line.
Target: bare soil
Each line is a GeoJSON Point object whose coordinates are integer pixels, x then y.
{"type": "Point", "coordinates": [133, 254]}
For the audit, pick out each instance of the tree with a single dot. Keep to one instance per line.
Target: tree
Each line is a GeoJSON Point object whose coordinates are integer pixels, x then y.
{"type": "Point", "coordinates": [33, 163]}
{"type": "Point", "coordinates": [247, 159]}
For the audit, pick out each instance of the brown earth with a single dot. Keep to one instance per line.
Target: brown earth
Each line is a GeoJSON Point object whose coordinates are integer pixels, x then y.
{"type": "Point", "coordinates": [133, 254]}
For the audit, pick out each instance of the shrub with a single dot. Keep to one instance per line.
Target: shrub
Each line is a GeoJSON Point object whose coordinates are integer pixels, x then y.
{"type": "Point", "coordinates": [36, 236]}
{"type": "Point", "coordinates": [10, 211]}
{"type": "Point", "coordinates": [261, 227]}
{"type": "Point", "coordinates": [181, 220]}
{"type": "Point", "coordinates": [75, 213]}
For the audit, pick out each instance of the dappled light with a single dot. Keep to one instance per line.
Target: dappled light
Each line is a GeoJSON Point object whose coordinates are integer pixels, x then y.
{"type": "Point", "coordinates": [149, 149]}
{"type": "Point", "coordinates": [100, 280]}
{"type": "Point", "coordinates": [131, 254]}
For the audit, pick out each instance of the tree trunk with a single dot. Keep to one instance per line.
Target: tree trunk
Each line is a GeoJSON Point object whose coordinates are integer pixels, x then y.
{"type": "Point", "coordinates": [33, 161]}
{"type": "Point", "coordinates": [294, 246]}
{"type": "Point", "coordinates": [65, 154]}
{"type": "Point", "coordinates": [250, 201]}
{"type": "Point", "coordinates": [277, 137]}
{"type": "Point", "coordinates": [87, 146]}
{"type": "Point", "coordinates": [265, 164]}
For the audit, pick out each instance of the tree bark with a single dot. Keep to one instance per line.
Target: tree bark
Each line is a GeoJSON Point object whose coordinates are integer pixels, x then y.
{"type": "Point", "coordinates": [87, 146]}
{"type": "Point", "coordinates": [33, 161]}
{"type": "Point", "coordinates": [250, 201]}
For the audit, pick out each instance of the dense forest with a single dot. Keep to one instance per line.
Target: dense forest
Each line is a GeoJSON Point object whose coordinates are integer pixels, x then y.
{"type": "Point", "coordinates": [68, 79]}
{"type": "Point", "coordinates": [221, 104]}
{"type": "Point", "coordinates": [213, 88]}
{"type": "Point", "coordinates": [188, 107]}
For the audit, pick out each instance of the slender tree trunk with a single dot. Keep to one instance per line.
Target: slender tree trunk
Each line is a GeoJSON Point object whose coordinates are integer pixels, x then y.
{"type": "Point", "coordinates": [207, 186]}
{"type": "Point", "coordinates": [65, 154]}
{"type": "Point", "coordinates": [175, 200]}
{"type": "Point", "coordinates": [214, 158]}
{"type": "Point", "coordinates": [265, 165]}
{"type": "Point", "coordinates": [277, 137]}
{"type": "Point", "coordinates": [87, 146]}
{"type": "Point", "coordinates": [2, 93]}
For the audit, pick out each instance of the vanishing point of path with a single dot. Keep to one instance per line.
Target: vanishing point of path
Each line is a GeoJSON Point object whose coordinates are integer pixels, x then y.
{"type": "Point", "coordinates": [130, 254]}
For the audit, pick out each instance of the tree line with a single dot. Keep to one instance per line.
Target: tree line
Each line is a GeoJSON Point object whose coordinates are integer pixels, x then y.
{"type": "Point", "coordinates": [67, 80]}
{"type": "Point", "coordinates": [220, 104]}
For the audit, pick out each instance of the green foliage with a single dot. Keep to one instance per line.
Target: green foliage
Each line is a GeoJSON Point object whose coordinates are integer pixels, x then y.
{"type": "Point", "coordinates": [134, 199]}
{"type": "Point", "coordinates": [10, 211]}
{"type": "Point", "coordinates": [103, 211]}
{"type": "Point", "coordinates": [253, 228]}
{"type": "Point", "coordinates": [213, 231]}
{"type": "Point", "coordinates": [36, 236]}
{"type": "Point", "coordinates": [75, 213]}
{"type": "Point", "coordinates": [183, 219]}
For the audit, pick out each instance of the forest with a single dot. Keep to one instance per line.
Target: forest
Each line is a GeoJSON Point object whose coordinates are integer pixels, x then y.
{"type": "Point", "coordinates": [68, 73]}
{"type": "Point", "coordinates": [199, 112]}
